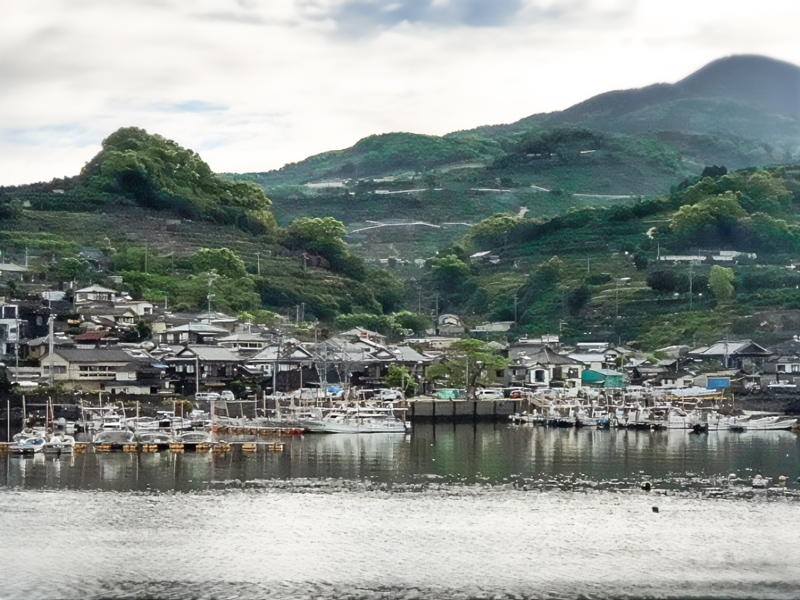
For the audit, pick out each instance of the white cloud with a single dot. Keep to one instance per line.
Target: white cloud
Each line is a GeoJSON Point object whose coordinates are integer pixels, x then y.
{"type": "Point", "coordinates": [252, 85]}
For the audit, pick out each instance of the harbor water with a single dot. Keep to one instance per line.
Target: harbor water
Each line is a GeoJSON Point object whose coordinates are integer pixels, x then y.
{"type": "Point", "coordinates": [451, 511]}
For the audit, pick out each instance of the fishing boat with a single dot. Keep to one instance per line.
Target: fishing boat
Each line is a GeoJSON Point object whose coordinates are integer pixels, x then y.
{"type": "Point", "coordinates": [358, 419]}
{"type": "Point", "coordinates": [195, 437]}
{"type": "Point", "coordinates": [157, 438]}
{"type": "Point", "coordinates": [27, 446]}
{"type": "Point", "coordinates": [59, 443]}
{"type": "Point", "coordinates": [114, 437]}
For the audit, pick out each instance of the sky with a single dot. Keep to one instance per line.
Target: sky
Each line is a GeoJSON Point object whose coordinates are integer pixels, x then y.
{"type": "Point", "coordinates": [254, 84]}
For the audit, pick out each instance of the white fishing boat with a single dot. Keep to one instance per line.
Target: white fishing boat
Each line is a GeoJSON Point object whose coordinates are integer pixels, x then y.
{"type": "Point", "coordinates": [358, 419]}
{"type": "Point", "coordinates": [195, 437]}
{"type": "Point", "coordinates": [154, 438]}
{"type": "Point", "coordinates": [27, 446]}
{"type": "Point", "coordinates": [114, 437]}
{"type": "Point", "coordinates": [59, 443]}
{"type": "Point", "coordinates": [770, 423]}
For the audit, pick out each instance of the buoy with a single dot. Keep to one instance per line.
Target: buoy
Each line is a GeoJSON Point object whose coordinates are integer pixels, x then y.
{"type": "Point", "coordinates": [646, 486]}
{"type": "Point", "coordinates": [655, 509]}
{"type": "Point", "coordinates": [782, 480]}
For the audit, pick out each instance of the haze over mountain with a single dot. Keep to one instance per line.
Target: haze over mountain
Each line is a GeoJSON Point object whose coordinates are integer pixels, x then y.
{"type": "Point", "coordinates": [750, 96]}
{"type": "Point", "coordinates": [754, 98]}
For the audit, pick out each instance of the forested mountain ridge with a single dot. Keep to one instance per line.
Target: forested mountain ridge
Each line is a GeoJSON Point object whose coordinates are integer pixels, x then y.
{"type": "Point", "coordinates": [153, 213]}
{"type": "Point", "coordinates": [739, 112]}
{"type": "Point", "coordinates": [716, 255]}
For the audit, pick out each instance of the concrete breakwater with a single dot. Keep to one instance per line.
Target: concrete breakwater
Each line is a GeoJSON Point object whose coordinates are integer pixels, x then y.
{"type": "Point", "coordinates": [434, 410]}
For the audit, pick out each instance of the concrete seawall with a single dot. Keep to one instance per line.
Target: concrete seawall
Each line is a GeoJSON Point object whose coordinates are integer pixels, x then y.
{"type": "Point", "coordinates": [429, 410]}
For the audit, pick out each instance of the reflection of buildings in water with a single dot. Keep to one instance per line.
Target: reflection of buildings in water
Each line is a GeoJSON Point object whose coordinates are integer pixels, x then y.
{"type": "Point", "coordinates": [355, 454]}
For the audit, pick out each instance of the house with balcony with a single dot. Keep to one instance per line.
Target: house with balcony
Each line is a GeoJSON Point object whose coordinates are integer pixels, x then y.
{"type": "Point", "coordinates": [542, 367]}
{"type": "Point", "coordinates": [85, 369]}
{"type": "Point", "coordinates": [94, 293]}
{"type": "Point", "coordinates": [203, 366]}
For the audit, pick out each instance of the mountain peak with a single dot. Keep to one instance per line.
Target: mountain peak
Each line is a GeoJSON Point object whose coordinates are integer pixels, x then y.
{"type": "Point", "coordinates": [771, 84]}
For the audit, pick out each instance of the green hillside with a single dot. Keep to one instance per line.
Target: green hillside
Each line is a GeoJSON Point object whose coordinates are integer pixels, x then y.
{"type": "Point", "coordinates": [608, 272]}
{"type": "Point", "coordinates": [739, 112]}
{"type": "Point", "coordinates": [153, 213]}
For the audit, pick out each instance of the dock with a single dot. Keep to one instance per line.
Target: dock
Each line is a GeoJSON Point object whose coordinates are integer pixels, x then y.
{"type": "Point", "coordinates": [221, 447]}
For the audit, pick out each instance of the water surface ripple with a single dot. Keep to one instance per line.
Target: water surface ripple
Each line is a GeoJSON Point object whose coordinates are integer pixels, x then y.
{"type": "Point", "coordinates": [457, 512]}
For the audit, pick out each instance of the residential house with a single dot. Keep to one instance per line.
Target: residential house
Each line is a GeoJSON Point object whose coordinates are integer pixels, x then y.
{"type": "Point", "coordinates": [12, 271]}
{"type": "Point", "coordinates": [192, 333]}
{"type": "Point", "coordinates": [12, 330]}
{"type": "Point", "coordinates": [243, 342]}
{"type": "Point", "coordinates": [361, 333]}
{"type": "Point", "coordinates": [450, 325]}
{"type": "Point", "coordinates": [592, 360]}
{"type": "Point", "coordinates": [101, 338]}
{"type": "Point", "coordinates": [88, 370]}
{"type": "Point", "coordinates": [543, 367]}
{"type": "Point", "coordinates": [781, 369]}
{"type": "Point", "coordinates": [485, 329]}
{"type": "Point", "coordinates": [94, 293]}
{"type": "Point", "coordinates": [39, 347]}
{"type": "Point", "coordinates": [292, 361]}
{"type": "Point", "coordinates": [104, 316]}
{"type": "Point", "coordinates": [734, 354]}
{"type": "Point", "coordinates": [208, 366]}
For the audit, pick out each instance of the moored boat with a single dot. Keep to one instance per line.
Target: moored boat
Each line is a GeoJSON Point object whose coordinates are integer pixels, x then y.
{"type": "Point", "coordinates": [27, 446]}
{"type": "Point", "coordinates": [358, 419]}
{"type": "Point", "coordinates": [59, 443]}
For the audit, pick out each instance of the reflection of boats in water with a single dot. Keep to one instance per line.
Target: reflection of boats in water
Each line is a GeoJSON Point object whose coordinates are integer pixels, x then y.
{"type": "Point", "coordinates": [358, 419]}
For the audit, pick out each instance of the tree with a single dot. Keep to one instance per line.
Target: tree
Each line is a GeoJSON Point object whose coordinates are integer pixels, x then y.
{"type": "Point", "coordinates": [70, 269]}
{"type": "Point", "coordinates": [222, 260]}
{"type": "Point", "coordinates": [416, 322]}
{"type": "Point", "coordinates": [324, 236]}
{"type": "Point", "coordinates": [467, 363]}
{"type": "Point", "coordinates": [720, 282]}
{"type": "Point", "coordinates": [399, 377]}
{"type": "Point", "coordinates": [720, 210]}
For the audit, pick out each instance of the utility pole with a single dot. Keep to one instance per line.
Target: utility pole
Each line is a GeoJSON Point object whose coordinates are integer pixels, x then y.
{"type": "Point", "coordinates": [51, 350]}
{"type": "Point", "coordinates": [691, 276]}
{"type": "Point", "coordinates": [515, 306]}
